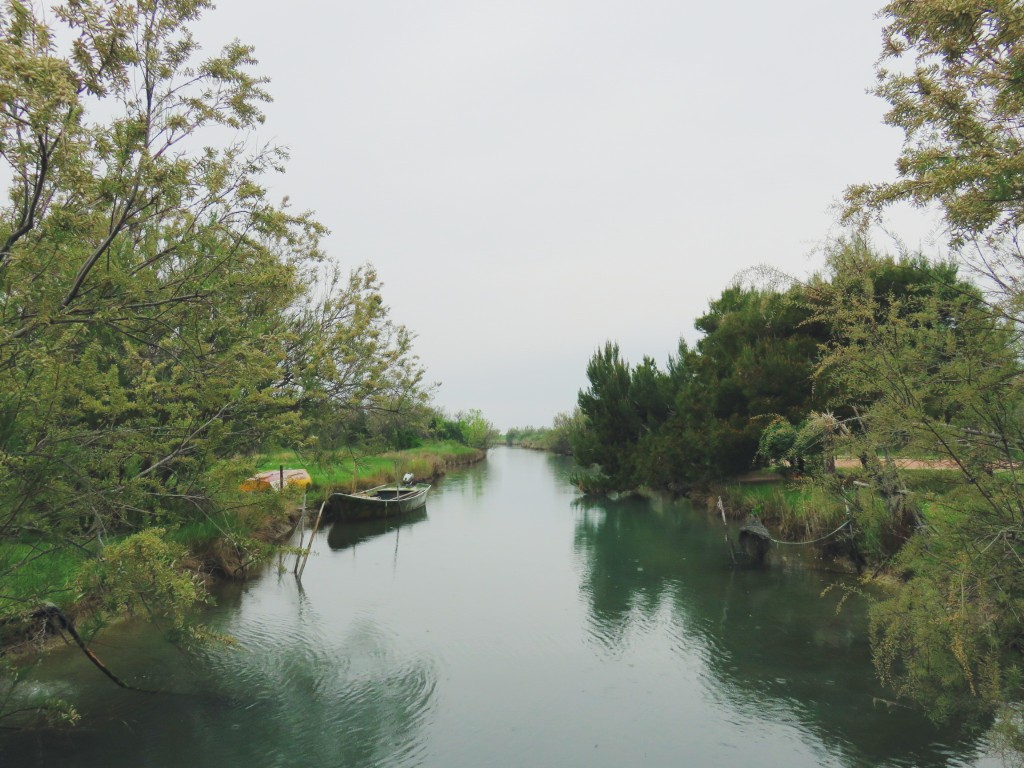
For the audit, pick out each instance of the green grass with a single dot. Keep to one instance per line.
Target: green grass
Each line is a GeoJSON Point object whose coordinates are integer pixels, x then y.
{"type": "Point", "coordinates": [201, 532]}
{"type": "Point", "coordinates": [336, 469]}
{"type": "Point", "coordinates": [798, 510]}
{"type": "Point", "coordinates": [32, 572]}
{"type": "Point", "coordinates": [35, 572]}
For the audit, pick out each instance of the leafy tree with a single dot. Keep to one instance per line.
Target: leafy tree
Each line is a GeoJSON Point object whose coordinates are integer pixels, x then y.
{"type": "Point", "coordinates": [702, 418]}
{"type": "Point", "coordinates": [565, 428]}
{"type": "Point", "coordinates": [959, 101]}
{"type": "Point", "coordinates": [934, 371]}
{"type": "Point", "coordinates": [467, 427]}
{"type": "Point", "coordinates": [777, 444]}
{"type": "Point", "coordinates": [143, 280]}
{"type": "Point", "coordinates": [158, 312]}
{"type": "Point", "coordinates": [476, 431]}
{"type": "Point", "coordinates": [754, 363]}
{"type": "Point", "coordinates": [350, 366]}
{"type": "Point", "coordinates": [944, 372]}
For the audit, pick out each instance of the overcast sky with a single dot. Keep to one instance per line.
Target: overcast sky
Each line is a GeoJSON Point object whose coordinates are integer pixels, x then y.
{"type": "Point", "coordinates": [531, 178]}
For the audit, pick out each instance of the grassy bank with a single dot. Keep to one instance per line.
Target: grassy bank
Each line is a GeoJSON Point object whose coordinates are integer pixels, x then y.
{"type": "Point", "coordinates": [799, 510]}
{"type": "Point", "coordinates": [34, 572]}
{"type": "Point", "coordinates": [345, 470]}
{"type": "Point", "coordinates": [225, 542]}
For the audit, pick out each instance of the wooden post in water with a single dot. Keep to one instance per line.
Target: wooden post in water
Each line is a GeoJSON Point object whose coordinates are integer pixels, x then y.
{"type": "Point", "coordinates": [312, 538]}
{"type": "Point", "coordinates": [302, 532]}
{"type": "Point", "coordinates": [280, 487]}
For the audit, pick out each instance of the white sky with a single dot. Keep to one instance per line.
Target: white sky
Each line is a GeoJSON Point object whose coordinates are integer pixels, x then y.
{"type": "Point", "coordinates": [532, 178]}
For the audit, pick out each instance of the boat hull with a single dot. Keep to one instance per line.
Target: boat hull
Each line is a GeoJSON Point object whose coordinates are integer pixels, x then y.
{"type": "Point", "coordinates": [380, 502]}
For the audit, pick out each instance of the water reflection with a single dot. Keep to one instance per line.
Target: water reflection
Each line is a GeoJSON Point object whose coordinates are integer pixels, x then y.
{"type": "Point", "coordinates": [345, 535]}
{"type": "Point", "coordinates": [520, 630]}
{"type": "Point", "coordinates": [351, 700]}
{"type": "Point", "coordinates": [770, 644]}
{"type": "Point", "coordinates": [474, 481]}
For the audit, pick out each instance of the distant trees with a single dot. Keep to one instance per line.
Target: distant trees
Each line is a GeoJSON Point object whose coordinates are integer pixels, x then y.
{"type": "Point", "coordinates": [557, 438]}
{"type": "Point", "coordinates": [468, 427]}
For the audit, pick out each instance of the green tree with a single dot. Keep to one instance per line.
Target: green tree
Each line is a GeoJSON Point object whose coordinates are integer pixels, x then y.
{"type": "Point", "coordinates": [565, 428]}
{"type": "Point", "coordinates": [614, 422]}
{"type": "Point", "coordinates": [154, 302]}
{"type": "Point", "coordinates": [959, 101]}
{"type": "Point", "coordinates": [944, 373]}
{"type": "Point", "coordinates": [754, 363]}
{"type": "Point", "coordinates": [934, 372]}
{"type": "Point", "coordinates": [350, 367]}
{"type": "Point", "coordinates": [143, 279]}
{"type": "Point", "coordinates": [476, 431]}
{"type": "Point", "coordinates": [702, 418]}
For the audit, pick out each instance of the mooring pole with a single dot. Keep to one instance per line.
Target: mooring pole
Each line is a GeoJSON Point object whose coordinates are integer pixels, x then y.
{"type": "Point", "coordinates": [312, 538]}
{"type": "Point", "coordinates": [302, 532]}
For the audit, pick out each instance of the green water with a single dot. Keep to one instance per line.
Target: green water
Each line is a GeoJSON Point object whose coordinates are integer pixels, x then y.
{"type": "Point", "coordinates": [510, 625]}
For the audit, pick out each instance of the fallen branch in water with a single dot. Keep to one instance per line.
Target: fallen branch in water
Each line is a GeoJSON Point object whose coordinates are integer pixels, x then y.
{"type": "Point", "coordinates": [51, 613]}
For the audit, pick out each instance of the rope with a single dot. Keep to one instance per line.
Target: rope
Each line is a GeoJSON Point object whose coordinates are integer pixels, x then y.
{"type": "Point", "coordinates": [812, 541]}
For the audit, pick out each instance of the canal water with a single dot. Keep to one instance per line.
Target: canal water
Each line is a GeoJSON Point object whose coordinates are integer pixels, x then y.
{"type": "Point", "coordinates": [511, 625]}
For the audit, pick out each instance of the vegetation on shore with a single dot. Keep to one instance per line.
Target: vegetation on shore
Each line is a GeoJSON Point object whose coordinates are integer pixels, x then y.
{"type": "Point", "coordinates": [164, 323]}
{"type": "Point", "coordinates": [228, 541]}
{"type": "Point", "coordinates": [876, 357]}
{"type": "Point", "coordinates": [345, 469]}
{"type": "Point", "coordinates": [554, 439]}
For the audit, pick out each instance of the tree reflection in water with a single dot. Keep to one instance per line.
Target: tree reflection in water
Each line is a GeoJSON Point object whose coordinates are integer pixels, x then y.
{"type": "Point", "coordinates": [769, 643]}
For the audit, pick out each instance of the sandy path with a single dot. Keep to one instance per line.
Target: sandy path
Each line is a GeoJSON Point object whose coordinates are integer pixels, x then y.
{"type": "Point", "coordinates": [850, 463]}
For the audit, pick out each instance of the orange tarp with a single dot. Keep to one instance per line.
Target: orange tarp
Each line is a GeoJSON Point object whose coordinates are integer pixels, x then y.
{"type": "Point", "coordinates": [271, 480]}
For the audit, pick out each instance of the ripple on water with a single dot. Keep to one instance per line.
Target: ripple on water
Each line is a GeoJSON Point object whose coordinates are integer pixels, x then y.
{"type": "Point", "coordinates": [362, 702]}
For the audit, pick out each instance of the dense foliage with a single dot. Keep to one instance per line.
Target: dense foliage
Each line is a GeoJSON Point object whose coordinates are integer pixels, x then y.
{"type": "Point", "coordinates": [702, 416]}
{"type": "Point", "coordinates": [556, 439]}
{"type": "Point", "coordinates": [159, 314]}
{"type": "Point", "coordinates": [945, 375]}
{"type": "Point", "coordinates": [879, 359]}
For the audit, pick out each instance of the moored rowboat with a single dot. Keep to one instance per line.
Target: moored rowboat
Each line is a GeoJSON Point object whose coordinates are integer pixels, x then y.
{"type": "Point", "coordinates": [385, 500]}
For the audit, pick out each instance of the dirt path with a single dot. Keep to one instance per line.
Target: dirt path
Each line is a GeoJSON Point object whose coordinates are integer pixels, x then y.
{"type": "Point", "coordinates": [849, 463]}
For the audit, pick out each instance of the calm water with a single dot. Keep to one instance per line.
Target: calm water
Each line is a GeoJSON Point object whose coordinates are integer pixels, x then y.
{"type": "Point", "coordinates": [509, 626]}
